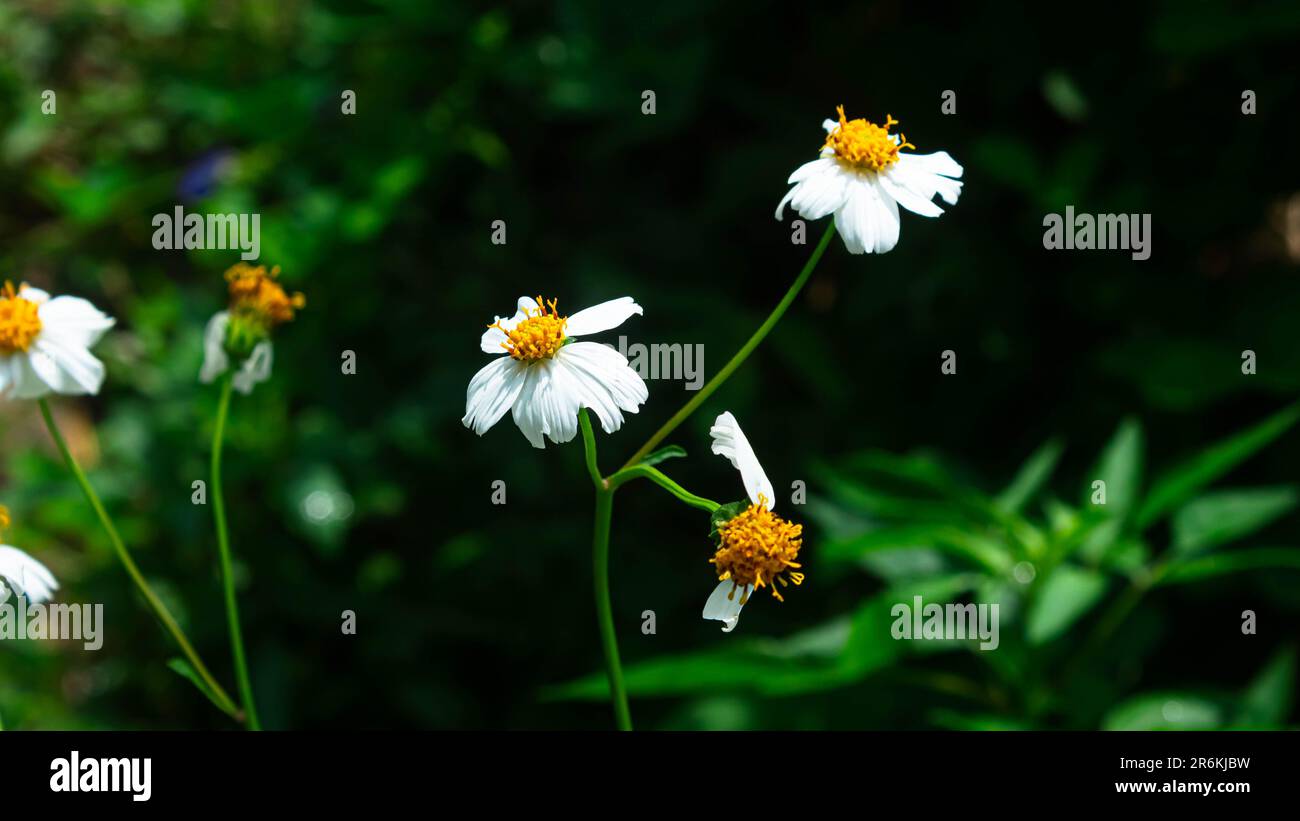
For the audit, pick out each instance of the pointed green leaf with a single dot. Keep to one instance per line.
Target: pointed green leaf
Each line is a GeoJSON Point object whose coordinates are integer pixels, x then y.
{"type": "Point", "coordinates": [1267, 701]}
{"type": "Point", "coordinates": [1165, 711]}
{"type": "Point", "coordinates": [1181, 483]}
{"type": "Point", "coordinates": [183, 668]}
{"type": "Point", "coordinates": [662, 455]}
{"type": "Point", "coordinates": [1213, 565]}
{"type": "Point", "coordinates": [1120, 467]}
{"type": "Point", "coordinates": [1223, 516]}
{"type": "Point", "coordinates": [1031, 477]}
{"type": "Point", "coordinates": [1066, 595]}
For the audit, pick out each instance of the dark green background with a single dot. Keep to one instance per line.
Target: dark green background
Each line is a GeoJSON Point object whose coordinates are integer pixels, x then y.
{"type": "Point", "coordinates": [469, 612]}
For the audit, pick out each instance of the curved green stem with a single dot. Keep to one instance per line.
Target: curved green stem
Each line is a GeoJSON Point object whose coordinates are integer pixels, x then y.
{"type": "Point", "coordinates": [223, 546]}
{"type": "Point", "coordinates": [589, 449]}
{"type": "Point", "coordinates": [160, 610]}
{"type": "Point", "coordinates": [741, 355]}
{"type": "Point", "coordinates": [600, 578]}
{"type": "Point", "coordinates": [657, 476]}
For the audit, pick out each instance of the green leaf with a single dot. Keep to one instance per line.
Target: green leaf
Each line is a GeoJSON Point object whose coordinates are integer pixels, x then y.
{"type": "Point", "coordinates": [1199, 568]}
{"type": "Point", "coordinates": [1217, 518]}
{"type": "Point", "coordinates": [986, 552]}
{"type": "Point", "coordinates": [1180, 484]}
{"type": "Point", "coordinates": [1165, 711]}
{"type": "Point", "coordinates": [830, 655]}
{"type": "Point", "coordinates": [1033, 474]}
{"type": "Point", "coordinates": [1120, 467]}
{"type": "Point", "coordinates": [952, 720]}
{"type": "Point", "coordinates": [662, 455]}
{"type": "Point", "coordinates": [1067, 594]}
{"type": "Point", "coordinates": [182, 668]}
{"type": "Point", "coordinates": [1267, 700]}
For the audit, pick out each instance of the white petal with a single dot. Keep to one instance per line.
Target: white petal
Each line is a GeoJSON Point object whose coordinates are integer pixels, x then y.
{"type": "Point", "coordinates": [26, 575]}
{"type": "Point", "coordinates": [603, 381]}
{"type": "Point", "coordinates": [66, 368]}
{"type": "Point", "coordinates": [724, 603]}
{"type": "Point", "coordinates": [913, 201]}
{"type": "Point", "coordinates": [492, 339]}
{"type": "Point", "coordinates": [31, 294]}
{"type": "Point", "coordinates": [730, 441]}
{"type": "Point", "coordinates": [491, 393]}
{"type": "Point", "coordinates": [602, 317]}
{"type": "Point", "coordinates": [546, 406]}
{"type": "Point", "coordinates": [853, 221]}
{"type": "Point", "coordinates": [73, 320]}
{"type": "Point", "coordinates": [869, 220]}
{"type": "Point", "coordinates": [926, 175]}
{"type": "Point", "coordinates": [256, 368]}
{"type": "Point", "coordinates": [215, 360]}
{"type": "Point", "coordinates": [26, 384]}
{"type": "Point", "coordinates": [820, 191]}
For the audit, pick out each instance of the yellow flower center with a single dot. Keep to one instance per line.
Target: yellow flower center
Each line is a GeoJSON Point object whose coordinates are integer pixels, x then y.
{"type": "Point", "coordinates": [865, 145]}
{"type": "Point", "coordinates": [537, 337]}
{"type": "Point", "coordinates": [4, 519]}
{"type": "Point", "coordinates": [20, 321]}
{"type": "Point", "coordinates": [255, 291]}
{"type": "Point", "coordinates": [759, 548]}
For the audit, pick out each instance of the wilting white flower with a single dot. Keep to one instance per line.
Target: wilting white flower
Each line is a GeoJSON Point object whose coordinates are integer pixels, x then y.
{"type": "Point", "coordinates": [756, 548]}
{"type": "Point", "coordinates": [863, 176]}
{"type": "Point", "coordinates": [254, 370]}
{"type": "Point", "coordinates": [25, 575]}
{"type": "Point", "coordinates": [21, 572]}
{"type": "Point", "coordinates": [45, 344]}
{"type": "Point", "coordinates": [258, 305]}
{"type": "Point", "coordinates": [544, 377]}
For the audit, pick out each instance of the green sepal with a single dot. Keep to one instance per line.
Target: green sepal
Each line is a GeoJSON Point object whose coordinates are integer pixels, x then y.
{"type": "Point", "coordinates": [724, 514]}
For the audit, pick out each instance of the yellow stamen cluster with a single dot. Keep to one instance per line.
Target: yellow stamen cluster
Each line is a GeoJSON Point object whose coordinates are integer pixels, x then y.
{"type": "Point", "coordinates": [759, 548]}
{"type": "Point", "coordinates": [20, 321]}
{"type": "Point", "coordinates": [537, 337]}
{"type": "Point", "coordinates": [255, 291]}
{"type": "Point", "coordinates": [865, 145]}
{"type": "Point", "coordinates": [4, 519]}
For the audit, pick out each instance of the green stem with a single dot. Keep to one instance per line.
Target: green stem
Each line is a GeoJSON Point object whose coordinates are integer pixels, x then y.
{"type": "Point", "coordinates": [600, 578]}
{"type": "Point", "coordinates": [223, 546]}
{"type": "Point", "coordinates": [742, 354]}
{"type": "Point", "coordinates": [647, 472]}
{"type": "Point", "coordinates": [589, 450]}
{"type": "Point", "coordinates": [160, 610]}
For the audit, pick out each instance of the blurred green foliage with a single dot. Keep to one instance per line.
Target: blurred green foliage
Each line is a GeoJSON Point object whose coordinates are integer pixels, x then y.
{"type": "Point", "coordinates": [365, 493]}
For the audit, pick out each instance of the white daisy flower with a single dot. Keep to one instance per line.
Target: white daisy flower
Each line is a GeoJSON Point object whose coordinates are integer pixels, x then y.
{"type": "Point", "coordinates": [254, 370]}
{"type": "Point", "coordinates": [547, 377]}
{"type": "Point", "coordinates": [23, 574]}
{"type": "Point", "coordinates": [258, 305]}
{"type": "Point", "coordinates": [756, 548]}
{"type": "Point", "coordinates": [45, 344]}
{"type": "Point", "coordinates": [862, 178]}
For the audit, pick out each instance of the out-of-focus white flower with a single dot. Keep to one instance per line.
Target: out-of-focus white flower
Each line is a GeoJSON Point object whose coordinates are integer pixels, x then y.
{"type": "Point", "coordinates": [258, 303]}
{"type": "Point", "coordinates": [863, 176]}
{"type": "Point", "coordinates": [22, 573]}
{"type": "Point", "coordinates": [45, 344]}
{"type": "Point", "coordinates": [546, 377]}
{"type": "Point", "coordinates": [254, 370]}
{"type": "Point", "coordinates": [756, 548]}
